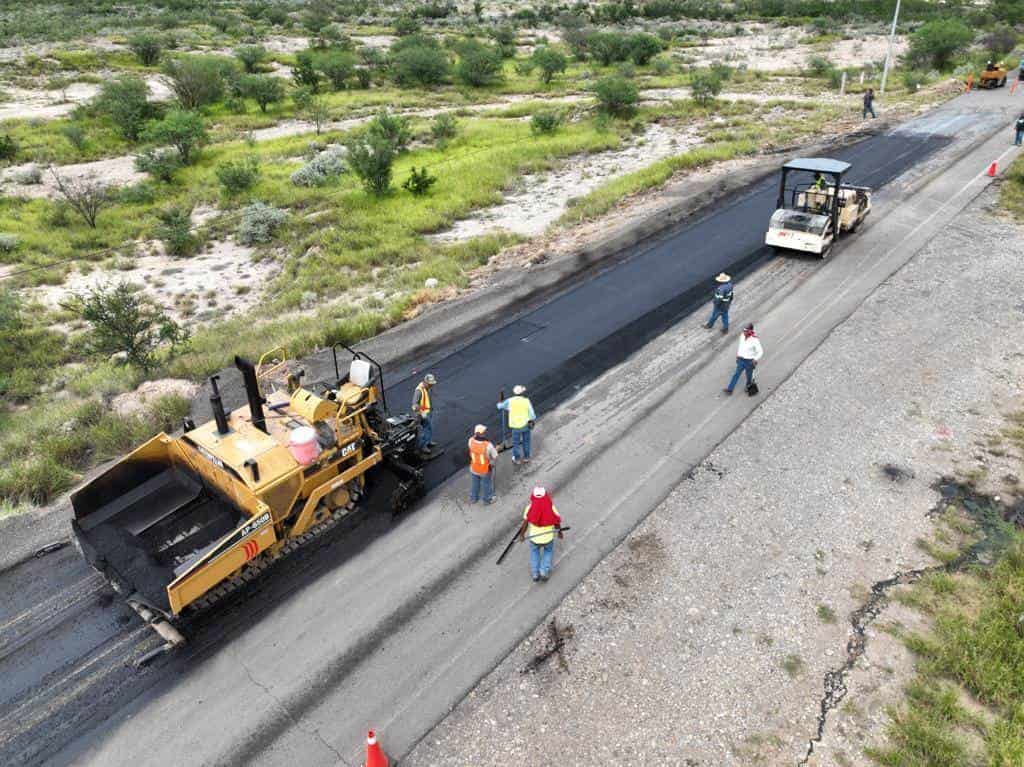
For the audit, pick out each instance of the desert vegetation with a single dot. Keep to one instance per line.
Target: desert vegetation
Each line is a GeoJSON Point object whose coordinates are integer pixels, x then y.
{"type": "Point", "coordinates": [275, 171]}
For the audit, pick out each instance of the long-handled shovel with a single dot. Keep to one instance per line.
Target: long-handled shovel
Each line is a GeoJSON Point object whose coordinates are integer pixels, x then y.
{"type": "Point", "coordinates": [519, 531]}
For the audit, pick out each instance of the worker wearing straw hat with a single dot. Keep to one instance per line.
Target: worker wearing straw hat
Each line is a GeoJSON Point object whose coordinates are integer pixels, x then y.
{"type": "Point", "coordinates": [721, 301]}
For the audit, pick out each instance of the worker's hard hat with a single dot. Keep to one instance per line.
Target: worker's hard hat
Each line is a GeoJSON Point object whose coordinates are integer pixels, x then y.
{"type": "Point", "coordinates": [723, 277]}
{"type": "Point", "coordinates": [479, 429]}
{"type": "Point", "coordinates": [539, 492]}
{"type": "Point", "coordinates": [518, 389]}
{"type": "Point", "coordinates": [429, 379]}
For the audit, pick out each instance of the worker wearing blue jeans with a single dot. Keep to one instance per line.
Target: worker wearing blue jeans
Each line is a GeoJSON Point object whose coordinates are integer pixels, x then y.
{"type": "Point", "coordinates": [747, 355]}
{"type": "Point", "coordinates": [520, 420]}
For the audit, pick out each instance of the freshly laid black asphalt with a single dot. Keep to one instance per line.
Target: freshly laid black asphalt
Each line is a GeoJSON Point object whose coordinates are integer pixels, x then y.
{"type": "Point", "coordinates": [553, 349]}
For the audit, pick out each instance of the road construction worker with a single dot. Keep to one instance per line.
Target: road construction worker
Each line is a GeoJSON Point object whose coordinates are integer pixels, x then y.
{"type": "Point", "coordinates": [422, 407]}
{"type": "Point", "coordinates": [520, 420]}
{"type": "Point", "coordinates": [541, 522]}
{"type": "Point", "coordinates": [1019, 128]}
{"type": "Point", "coordinates": [482, 455]}
{"type": "Point", "coordinates": [820, 184]}
{"type": "Point", "coordinates": [721, 301]}
{"type": "Point", "coordinates": [747, 356]}
{"type": "Point", "coordinates": [990, 67]}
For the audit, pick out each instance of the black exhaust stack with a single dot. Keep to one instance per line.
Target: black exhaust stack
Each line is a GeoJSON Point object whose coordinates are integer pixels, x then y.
{"type": "Point", "coordinates": [218, 408]}
{"type": "Point", "coordinates": [252, 390]}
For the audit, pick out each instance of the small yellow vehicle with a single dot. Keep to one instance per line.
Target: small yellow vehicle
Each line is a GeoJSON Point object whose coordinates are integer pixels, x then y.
{"type": "Point", "coordinates": [181, 521]}
{"type": "Point", "coordinates": [993, 76]}
{"type": "Point", "coordinates": [811, 213]}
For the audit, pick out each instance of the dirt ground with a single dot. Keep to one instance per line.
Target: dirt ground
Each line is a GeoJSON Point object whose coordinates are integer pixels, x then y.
{"type": "Point", "coordinates": [825, 490]}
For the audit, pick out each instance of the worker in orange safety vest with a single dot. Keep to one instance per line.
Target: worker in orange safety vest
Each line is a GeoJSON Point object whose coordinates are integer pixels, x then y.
{"type": "Point", "coordinates": [421, 407]}
{"type": "Point", "coordinates": [482, 455]}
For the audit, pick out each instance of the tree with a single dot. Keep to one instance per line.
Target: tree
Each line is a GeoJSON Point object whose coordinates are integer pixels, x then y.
{"type": "Point", "coordinates": [549, 61]}
{"type": "Point", "coordinates": [147, 47]}
{"type": "Point", "coordinates": [185, 131]}
{"type": "Point", "coordinates": [705, 87]}
{"type": "Point", "coordinates": [316, 19]}
{"type": "Point", "coordinates": [608, 47]}
{"type": "Point", "coordinates": [371, 60]}
{"type": "Point", "coordinates": [643, 48]}
{"type": "Point", "coordinates": [237, 176]}
{"type": "Point", "coordinates": [125, 100]}
{"type": "Point", "coordinates": [86, 195]}
{"type": "Point", "coordinates": [391, 128]}
{"type": "Point", "coordinates": [406, 25]}
{"type": "Point", "coordinates": [419, 65]}
{"type": "Point", "coordinates": [313, 108]}
{"type": "Point", "coordinates": [371, 159]}
{"type": "Point", "coordinates": [478, 64]}
{"type": "Point", "coordinates": [1000, 42]}
{"type": "Point", "coordinates": [122, 321]}
{"type": "Point", "coordinates": [419, 181]}
{"type": "Point", "coordinates": [175, 231]}
{"type": "Point", "coordinates": [197, 81]}
{"type": "Point", "coordinates": [251, 56]}
{"type": "Point", "coordinates": [8, 147]}
{"type": "Point", "coordinates": [505, 37]}
{"type": "Point", "coordinates": [304, 72]}
{"type": "Point", "coordinates": [616, 96]}
{"type": "Point", "coordinates": [263, 89]}
{"type": "Point", "coordinates": [937, 42]}
{"type": "Point", "coordinates": [337, 66]}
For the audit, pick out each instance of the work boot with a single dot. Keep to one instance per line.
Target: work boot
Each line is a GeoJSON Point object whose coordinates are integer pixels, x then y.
{"type": "Point", "coordinates": [727, 391]}
{"type": "Point", "coordinates": [707, 325]}
{"type": "Point", "coordinates": [544, 576]}
{"type": "Point", "coordinates": [431, 444]}
{"type": "Point", "coordinates": [725, 331]}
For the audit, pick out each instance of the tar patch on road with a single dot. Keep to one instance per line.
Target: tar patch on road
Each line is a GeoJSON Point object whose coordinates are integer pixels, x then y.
{"type": "Point", "coordinates": [555, 641]}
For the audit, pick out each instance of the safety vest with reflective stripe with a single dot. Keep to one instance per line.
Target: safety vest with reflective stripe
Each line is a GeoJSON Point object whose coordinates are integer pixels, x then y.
{"type": "Point", "coordinates": [518, 412]}
{"type": "Point", "coordinates": [424, 398]}
{"type": "Point", "coordinates": [479, 461]}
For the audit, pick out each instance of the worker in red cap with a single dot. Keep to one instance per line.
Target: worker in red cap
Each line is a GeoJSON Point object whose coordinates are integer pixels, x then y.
{"type": "Point", "coordinates": [541, 523]}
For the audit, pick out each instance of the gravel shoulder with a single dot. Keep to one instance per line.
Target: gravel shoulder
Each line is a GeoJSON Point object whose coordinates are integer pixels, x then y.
{"type": "Point", "coordinates": [704, 638]}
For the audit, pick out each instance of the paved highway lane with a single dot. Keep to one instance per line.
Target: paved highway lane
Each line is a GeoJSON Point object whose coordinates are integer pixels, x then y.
{"type": "Point", "coordinates": [375, 585]}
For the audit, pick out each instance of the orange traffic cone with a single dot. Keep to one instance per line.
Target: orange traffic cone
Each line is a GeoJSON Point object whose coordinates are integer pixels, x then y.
{"type": "Point", "coordinates": [992, 170]}
{"type": "Point", "coordinates": [375, 757]}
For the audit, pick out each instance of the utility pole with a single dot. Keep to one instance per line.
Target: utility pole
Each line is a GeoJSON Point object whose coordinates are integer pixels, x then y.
{"type": "Point", "coordinates": [888, 53]}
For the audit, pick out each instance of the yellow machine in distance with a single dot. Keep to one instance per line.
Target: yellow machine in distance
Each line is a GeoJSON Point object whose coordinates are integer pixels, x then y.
{"type": "Point", "coordinates": [181, 520]}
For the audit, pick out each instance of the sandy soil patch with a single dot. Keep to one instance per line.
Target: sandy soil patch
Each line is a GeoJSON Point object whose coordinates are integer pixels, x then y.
{"type": "Point", "coordinates": [29, 104]}
{"type": "Point", "coordinates": [116, 171]}
{"type": "Point", "coordinates": [221, 281]}
{"type": "Point", "coordinates": [538, 200]}
{"type": "Point", "coordinates": [375, 41]}
{"type": "Point", "coordinates": [771, 49]}
{"type": "Point", "coordinates": [135, 402]}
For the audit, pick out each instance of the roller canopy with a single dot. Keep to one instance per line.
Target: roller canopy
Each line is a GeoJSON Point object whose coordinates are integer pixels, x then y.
{"type": "Point", "coordinates": [818, 165]}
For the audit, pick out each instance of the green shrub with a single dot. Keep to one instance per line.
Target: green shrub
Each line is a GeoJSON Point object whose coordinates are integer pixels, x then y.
{"type": "Point", "coordinates": [237, 176]}
{"type": "Point", "coordinates": [147, 47]}
{"type": "Point", "coordinates": [419, 181]}
{"type": "Point", "coordinates": [819, 66]}
{"type": "Point", "coordinates": [406, 25]}
{"type": "Point", "coordinates": [662, 65]}
{"type": "Point", "coordinates": [935, 43]}
{"type": "Point", "coordinates": [9, 243]}
{"type": "Point", "coordinates": [912, 80]}
{"type": "Point", "coordinates": [505, 38]}
{"type": "Point", "coordinates": [337, 66]}
{"type": "Point", "coordinates": [185, 131]}
{"type": "Point", "coordinates": [125, 100]}
{"type": "Point", "coordinates": [259, 222]}
{"type": "Point", "coordinates": [250, 56]}
{"type": "Point", "coordinates": [643, 48]}
{"type": "Point", "coordinates": [263, 89]}
{"type": "Point", "coordinates": [371, 159]}
{"type": "Point", "coordinates": [175, 231]}
{"type": "Point", "coordinates": [75, 134]}
{"type": "Point", "coordinates": [444, 127]}
{"type": "Point", "coordinates": [478, 64]}
{"type": "Point", "coordinates": [141, 193]}
{"type": "Point", "coordinates": [546, 121]}
{"type": "Point", "coordinates": [37, 479]}
{"type": "Point", "coordinates": [550, 62]}
{"type": "Point", "coordinates": [391, 128]}
{"type": "Point", "coordinates": [705, 87]}
{"type": "Point", "coordinates": [198, 80]}
{"type": "Point", "coordinates": [616, 96]}
{"type": "Point", "coordinates": [419, 65]}
{"type": "Point", "coordinates": [159, 162]}
{"type": "Point", "coordinates": [122, 321]}
{"type": "Point", "coordinates": [999, 42]}
{"type": "Point", "coordinates": [8, 147]}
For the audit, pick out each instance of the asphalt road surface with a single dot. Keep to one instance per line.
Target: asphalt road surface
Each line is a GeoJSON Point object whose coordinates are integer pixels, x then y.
{"type": "Point", "coordinates": [251, 685]}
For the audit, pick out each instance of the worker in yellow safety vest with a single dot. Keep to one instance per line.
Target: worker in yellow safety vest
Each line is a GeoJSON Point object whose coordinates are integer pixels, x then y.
{"type": "Point", "coordinates": [482, 455]}
{"type": "Point", "coordinates": [520, 420]}
{"type": "Point", "coordinates": [421, 407]}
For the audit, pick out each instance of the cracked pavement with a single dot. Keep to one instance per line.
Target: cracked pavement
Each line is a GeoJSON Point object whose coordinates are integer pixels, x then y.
{"type": "Point", "coordinates": [706, 636]}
